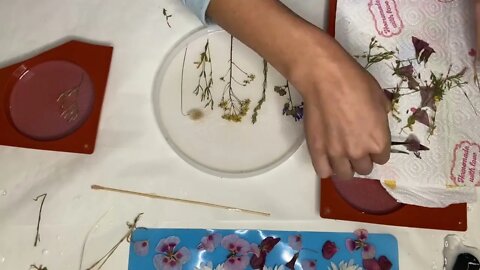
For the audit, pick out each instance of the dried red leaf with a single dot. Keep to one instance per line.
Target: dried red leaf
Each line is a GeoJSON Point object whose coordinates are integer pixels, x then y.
{"type": "Point", "coordinates": [385, 263]}
{"type": "Point", "coordinates": [371, 264]}
{"type": "Point", "coordinates": [267, 244]}
{"type": "Point", "coordinates": [329, 250]}
{"type": "Point", "coordinates": [258, 262]}
{"type": "Point", "coordinates": [291, 264]}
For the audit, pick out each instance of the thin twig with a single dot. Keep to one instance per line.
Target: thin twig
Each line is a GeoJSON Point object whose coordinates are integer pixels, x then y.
{"type": "Point", "coordinates": [131, 227]}
{"type": "Point", "coordinates": [181, 82]}
{"type": "Point", "coordinates": [155, 196]}
{"type": "Point", "coordinates": [40, 267]}
{"type": "Point", "coordinates": [37, 236]}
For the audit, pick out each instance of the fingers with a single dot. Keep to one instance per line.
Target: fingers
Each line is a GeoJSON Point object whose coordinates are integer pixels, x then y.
{"type": "Point", "coordinates": [322, 166]}
{"type": "Point", "coordinates": [363, 166]}
{"type": "Point", "coordinates": [342, 168]}
{"type": "Point", "coordinates": [381, 152]}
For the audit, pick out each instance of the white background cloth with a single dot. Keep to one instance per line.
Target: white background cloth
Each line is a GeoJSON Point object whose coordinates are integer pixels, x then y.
{"type": "Point", "coordinates": [132, 154]}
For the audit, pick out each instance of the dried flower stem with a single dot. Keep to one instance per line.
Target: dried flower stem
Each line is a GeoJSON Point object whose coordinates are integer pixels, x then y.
{"type": "Point", "coordinates": [264, 96]}
{"type": "Point", "coordinates": [37, 235]}
{"type": "Point", "coordinates": [155, 196]}
{"type": "Point", "coordinates": [131, 227]}
{"type": "Point", "coordinates": [234, 108]}
{"type": "Point", "coordinates": [40, 267]}
{"type": "Point", "coordinates": [205, 78]}
{"type": "Point", "coordinates": [167, 17]}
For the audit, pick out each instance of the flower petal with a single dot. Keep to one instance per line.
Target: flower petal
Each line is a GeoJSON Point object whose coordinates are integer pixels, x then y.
{"type": "Point", "coordinates": [210, 242]}
{"type": "Point", "coordinates": [371, 264]}
{"type": "Point", "coordinates": [159, 261]}
{"type": "Point", "coordinates": [309, 265]}
{"type": "Point", "coordinates": [183, 255]}
{"type": "Point", "coordinates": [255, 249]}
{"type": "Point", "coordinates": [329, 249]}
{"type": "Point", "coordinates": [295, 242]}
{"type": "Point", "coordinates": [368, 252]}
{"type": "Point", "coordinates": [228, 242]}
{"type": "Point", "coordinates": [242, 247]}
{"type": "Point", "coordinates": [167, 244]}
{"type": "Point", "coordinates": [385, 263]}
{"type": "Point", "coordinates": [350, 244]}
{"type": "Point", "coordinates": [141, 248]}
{"type": "Point", "coordinates": [361, 234]}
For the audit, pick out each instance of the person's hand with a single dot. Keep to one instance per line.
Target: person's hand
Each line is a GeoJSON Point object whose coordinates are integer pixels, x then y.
{"type": "Point", "coordinates": [345, 110]}
{"type": "Point", "coordinates": [346, 113]}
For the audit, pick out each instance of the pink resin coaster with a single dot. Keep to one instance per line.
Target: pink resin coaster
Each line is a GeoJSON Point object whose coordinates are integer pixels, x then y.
{"type": "Point", "coordinates": [51, 100]}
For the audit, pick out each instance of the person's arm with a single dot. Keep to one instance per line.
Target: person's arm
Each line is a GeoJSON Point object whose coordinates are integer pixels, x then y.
{"type": "Point", "coordinates": [345, 110]}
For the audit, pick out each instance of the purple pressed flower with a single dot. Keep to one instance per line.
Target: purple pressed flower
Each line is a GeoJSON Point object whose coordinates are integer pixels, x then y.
{"type": "Point", "coordinates": [329, 250]}
{"type": "Point", "coordinates": [295, 242]}
{"type": "Point", "coordinates": [385, 263]}
{"type": "Point", "coordinates": [235, 245]}
{"type": "Point", "coordinates": [368, 252]}
{"type": "Point", "coordinates": [238, 249]}
{"type": "Point", "coordinates": [361, 234]}
{"type": "Point", "coordinates": [350, 244]}
{"type": "Point", "coordinates": [170, 258]}
{"type": "Point", "coordinates": [236, 263]}
{"type": "Point", "coordinates": [309, 265]}
{"type": "Point", "coordinates": [210, 242]}
{"type": "Point", "coordinates": [167, 244]}
{"type": "Point", "coordinates": [141, 248]}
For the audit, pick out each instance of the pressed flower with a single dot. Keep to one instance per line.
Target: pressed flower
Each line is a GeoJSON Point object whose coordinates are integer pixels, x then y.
{"type": "Point", "coordinates": [238, 252]}
{"type": "Point", "coordinates": [210, 242]}
{"type": "Point", "coordinates": [361, 234]}
{"type": "Point", "coordinates": [141, 248]}
{"type": "Point", "coordinates": [329, 250]}
{"type": "Point", "coordinates": [169, 258]}
{"type": "Point", "coordinates": [295, 242]}
{"type": "Point", "coordinates": [309, 265]}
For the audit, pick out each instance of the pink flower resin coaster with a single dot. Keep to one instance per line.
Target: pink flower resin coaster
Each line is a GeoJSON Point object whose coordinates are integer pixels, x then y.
{"type": "Point", "coordinates": [53, 101]}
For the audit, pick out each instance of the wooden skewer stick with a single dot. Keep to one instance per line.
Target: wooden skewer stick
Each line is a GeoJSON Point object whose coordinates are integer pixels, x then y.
{"type": "Point", "coordinates": [155, 196]}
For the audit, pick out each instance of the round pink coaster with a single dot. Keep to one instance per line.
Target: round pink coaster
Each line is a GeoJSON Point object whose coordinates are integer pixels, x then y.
{"type": "Point", "coordinates": [51, 100]}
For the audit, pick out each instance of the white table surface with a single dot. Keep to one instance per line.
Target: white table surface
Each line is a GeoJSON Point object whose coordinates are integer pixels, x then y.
{"type": "Point", "coordinates": [132, 154]}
